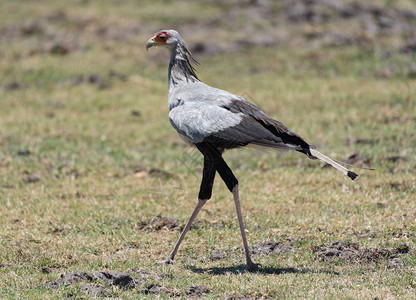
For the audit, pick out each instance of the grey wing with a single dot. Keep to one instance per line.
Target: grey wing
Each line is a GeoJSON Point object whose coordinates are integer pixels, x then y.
{"type": "Point", "coordinates": [278, 130]}
{"type": "Point", "coordinates": [197, 121]}
{"type": "Point", "coordinates": [256, 127]}
{"type": "Point", "coordinates": [233, 124]}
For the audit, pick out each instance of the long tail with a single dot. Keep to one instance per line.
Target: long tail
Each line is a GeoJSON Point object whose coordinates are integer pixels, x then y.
{"type": "Point", "coordinates": [336, 165]}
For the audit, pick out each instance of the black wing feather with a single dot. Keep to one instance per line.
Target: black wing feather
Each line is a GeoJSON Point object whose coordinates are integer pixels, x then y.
{"type": "Point", "coordinates": [256, 127]}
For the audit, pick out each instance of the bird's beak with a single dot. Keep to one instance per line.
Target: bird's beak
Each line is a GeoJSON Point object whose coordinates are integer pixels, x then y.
{"type": "Point", "coordinates": [150, 43]}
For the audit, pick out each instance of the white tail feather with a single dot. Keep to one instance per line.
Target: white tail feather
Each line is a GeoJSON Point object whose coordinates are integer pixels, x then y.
{"type": "Point", "coordinates": [336, 165]}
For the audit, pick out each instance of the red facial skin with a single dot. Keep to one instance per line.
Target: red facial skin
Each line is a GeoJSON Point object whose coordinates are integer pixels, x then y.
{"type": "Point", "coordinates": [161, 38]}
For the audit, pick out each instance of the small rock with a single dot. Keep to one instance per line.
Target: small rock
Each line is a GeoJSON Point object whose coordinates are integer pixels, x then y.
{"type": "Point", "coordinates": [282, 249]}
{"type": "Point", "coordinates": [271, 247]}
{"type": "Point", "coordinates": [91, 290]}
{"type": "Point", "coordinates": [159, 223]}
{"type": "Point", "coordinates": [58, 48]}
{"type": "Point", "coordinates": [364, 141]}
{"type": "Point", "coordinates": [94, 78]}
{"type": "Point", "coordinates": [217, 256]}
{"type": "Point", "coordinates": [31, 28]}
{"type": "Point", "coordinates": [197, 291]}
{"type": "Point", "coordinates": [155, 289]}
{"type": "Point", "coordinates": [14, 85]}
{"type": "Point", "coordinates": [31, 179]}
{"type": "Point", "coordinates": [403, 248]}
{"type": "Point", "coordinates": [77, 80]}
{"type": "Point", "coordinates": [117, 278]}
{"type": "Point", "coordinates": [69, 279]}
{"type": "Point", "coordinates": [117, 75]}
{"type": "Point", "coordinates": [409, 47]}
{"type": "Point", "coordinates": [381, 205]}
{"type": "Point", "coordinates": [46, 270]}
{"type": "Point", "coordinates": [358, 158]}
{"type": "Point", "coordinates": [395, 262]}
{"type": "Point", "coordinates": [24, 152]}
{"type": "Point", "coordinates": [354, 254]}
{"type": "Point", "coordinates": [395, 158]}
{"type": "Point", "coordinates": [58, 15]}
{"type": "Point", "coordinates": [135, 113]}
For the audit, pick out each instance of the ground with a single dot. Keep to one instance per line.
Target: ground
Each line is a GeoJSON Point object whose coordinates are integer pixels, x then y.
{"type": "Point", "coordinates": [95, 185]}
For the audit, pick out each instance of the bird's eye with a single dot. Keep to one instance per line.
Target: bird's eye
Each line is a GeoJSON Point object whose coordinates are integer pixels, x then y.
{"type": "Point", "coordinates": [162, 37]}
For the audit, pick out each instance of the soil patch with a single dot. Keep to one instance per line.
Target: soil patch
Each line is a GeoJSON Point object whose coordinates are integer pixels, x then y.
{"type": "Point", "coordinates": [159, 223]}
{"type": "Point", "coordinates": [272, 247]}
{"type": "Point", "coordinates": [70, 279]}
{"type": "Point", "coordinates": [92, 290]}
{"type": "Point", "coordinates": [142, 171]}
{"type": "Point", "coordinates": [31, 179]}
{"type": "Point", "coordinates": [197, 291]}
{"type": "Point", "coordinates": [96, 284]}
{"type": "Point", "coordinates": [145, 275]}
{"type": "Point", "coordinates": [352, 252]}
{"type": "Point", "coordinates": [101, 81]}
{"type": "Point", "coordinates": [263, 248]}
{"type": "Point", "coordinates": [156, 289]}
{"type": "Point", "coordinates": [409, 47]}
{"type": "Point", "coordinates": [247, 297]}
{"type": "Point", "coordinates": [123, 280]}
{"type": "Point", "coordinates": [360, 141]}
{"type": "Point", "coordinates": [358, 158]}
{"type": "Point", "coordinates": [218, 256]}
{"type": "Point", "coordinates": [11, 86]}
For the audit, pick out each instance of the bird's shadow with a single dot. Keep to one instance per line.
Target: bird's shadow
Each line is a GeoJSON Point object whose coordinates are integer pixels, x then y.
{"type": "Point", "coordinates": [238, 269]}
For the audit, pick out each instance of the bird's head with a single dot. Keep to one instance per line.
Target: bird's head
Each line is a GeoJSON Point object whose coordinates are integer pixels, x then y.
{"type": "Point", "coordinates": [166, 38]}
{"type": "Point", "coordinates": [180, 55]}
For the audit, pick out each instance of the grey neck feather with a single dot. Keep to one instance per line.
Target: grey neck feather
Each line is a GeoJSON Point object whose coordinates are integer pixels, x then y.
{"type": "Point", "coordinates": [180, 67]}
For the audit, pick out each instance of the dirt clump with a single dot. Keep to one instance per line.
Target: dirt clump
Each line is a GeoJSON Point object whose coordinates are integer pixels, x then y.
{"type": "Point", "coordinates": [101, 82]}
{"type": "Point", "coordinates": [352, 252]}
{"type": "Point", "coordinates": [70, 279]}
{"type": "Point", "coordinates": [395, 262]}
{"type": "Point", "coordinates": [23, 152]}
{"type": "Point", "coordinates": [92, 290]}
{"type": "Point", "coordinates": [360, 141]}
{"type": "Point", "coordinates": [31, 179]}
{"type": "Point", "coordinates": [218, 256]}
{"type": "Point", "coordinates": [120, 279]}
{"type": "Point", "coordinates": [197, 291]}
{"type": "Point", "coordinates": [96, 284]}
{"type": "Point", "coordinates": [159, 223]}
{"type": "Point", "coordinates": [156, 289]}
{"type": "Point", "coordinates": [142, 171]}
{"type": "Point", "coordinates": [11, 86]}
{"type": "Point", "coordinates": [358, 158]}
{"type": "Point", "coordinates": [409, 47]}
{"type": "Point", "coordinates": [272, 247]}
{"type": "Point", "coordinates": [247, 297]}
{"type": "Point", "coordinates": [145, 275]}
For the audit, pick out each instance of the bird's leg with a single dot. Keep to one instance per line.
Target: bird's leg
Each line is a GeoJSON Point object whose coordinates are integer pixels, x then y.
{"type": "Point", "coordinates": [232, 183]}
{"type": "Point", "coordinates": [205, 192]}
{"type": "Point", "coordinates": [250, 265]}
{"type": "Point", "coordinates": [198, 207]}
{"type": "Point", "coordinates": [208, 175]}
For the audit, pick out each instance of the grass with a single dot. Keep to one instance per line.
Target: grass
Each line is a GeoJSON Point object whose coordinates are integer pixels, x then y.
{"type": "Point", "coordinates": [82, 166]}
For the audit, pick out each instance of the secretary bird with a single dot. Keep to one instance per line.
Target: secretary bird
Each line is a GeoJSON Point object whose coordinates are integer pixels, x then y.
{"type": "Point", "coordinates": [214, 120]}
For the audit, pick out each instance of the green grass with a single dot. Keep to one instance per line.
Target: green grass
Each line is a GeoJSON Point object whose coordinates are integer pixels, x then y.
{"type": "Point", "coordinates": [89, 198]}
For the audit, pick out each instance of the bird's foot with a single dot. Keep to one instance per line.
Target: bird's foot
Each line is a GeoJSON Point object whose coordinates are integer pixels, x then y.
{"type": "Point", "coordinates": [251, 267]}
{"type": "Point", "coordinates": [167, 261]}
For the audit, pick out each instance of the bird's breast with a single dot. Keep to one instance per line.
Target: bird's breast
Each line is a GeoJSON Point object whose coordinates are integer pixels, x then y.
{"type": "Point", "coordinates": [175, 102]}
